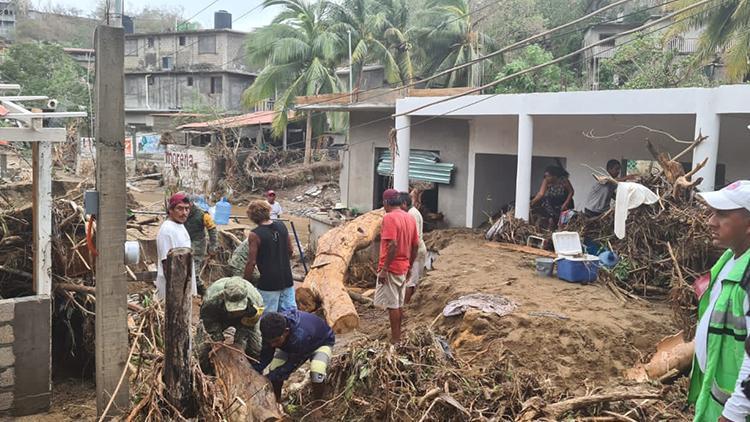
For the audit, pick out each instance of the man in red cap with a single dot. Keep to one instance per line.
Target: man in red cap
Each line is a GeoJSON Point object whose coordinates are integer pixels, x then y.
{"type": "Point", "coordinates": [399, 242]}
{"type": "Point", "coordinates": [172, 234]}
{"type": "Point", "coordinates": [276, 209]}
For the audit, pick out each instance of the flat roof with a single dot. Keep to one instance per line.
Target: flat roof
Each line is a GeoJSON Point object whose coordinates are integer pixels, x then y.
{"type": "Point", "coordinates": [187, 32]}
{"type": "Point", "coordinates": [725, 99]}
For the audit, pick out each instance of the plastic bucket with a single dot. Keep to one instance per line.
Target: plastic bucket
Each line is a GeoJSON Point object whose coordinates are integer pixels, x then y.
{"type": "Point", "coordinates": [544, 266]}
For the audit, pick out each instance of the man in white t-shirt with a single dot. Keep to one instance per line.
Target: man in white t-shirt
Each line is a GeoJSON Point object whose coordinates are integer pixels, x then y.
{"type": "Point", "coordinates": [172, 234]}
{"type": "Point", "coordinates": [721, 363]}
{"type": "Point", "coordinates": [407, 204]}
{"type": "Point", "coordinates": [276, 209]}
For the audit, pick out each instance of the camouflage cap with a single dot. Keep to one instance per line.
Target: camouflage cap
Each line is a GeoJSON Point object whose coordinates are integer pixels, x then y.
{"type": "Point", "coordinates": [235, 294]}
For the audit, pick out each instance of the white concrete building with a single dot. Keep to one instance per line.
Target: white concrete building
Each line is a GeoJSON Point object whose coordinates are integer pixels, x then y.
{"type": "Point", "coordinates": [500, 144]}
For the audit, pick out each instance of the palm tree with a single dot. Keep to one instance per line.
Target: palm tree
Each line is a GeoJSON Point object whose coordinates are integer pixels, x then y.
{"type": "Point", "coordinates": [368, 21]}
{"type": "Point", "coordinates": [298, 53]}
{"type": "Point", "coordinates": [397, 35]}
{"type": "Point", "coordinates": [726, 30]}
{"type": "Point", "coordinates": [449, 37]}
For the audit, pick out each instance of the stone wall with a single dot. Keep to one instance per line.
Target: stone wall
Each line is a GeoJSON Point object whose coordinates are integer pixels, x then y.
{"type": "Point", "coordinates": [25, 355]}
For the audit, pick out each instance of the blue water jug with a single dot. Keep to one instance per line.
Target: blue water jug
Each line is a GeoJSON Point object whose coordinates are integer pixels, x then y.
{"type": "Point", "coordinates": [201, 203]}
{"type": "Point", "coordinates": [223, 211]}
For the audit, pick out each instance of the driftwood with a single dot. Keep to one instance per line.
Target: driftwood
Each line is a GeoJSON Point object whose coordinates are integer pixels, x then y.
{"type": "Point", "coordinates": [325, 281]}
{"type": "Point", "coordinates": [672, 169]}
{"type": "Point", "coordinates": [535, 409]}
{"type": "Point", "coordinates": [521, 248]}
{"type": "Point", "coordinates": [672, 354]}
{"type": "Point", "coordinates": [251, 393]}
{"type": "Point", "coordinates": [178, 380]}
{"type": "Point", "coordinates": [79, 288]}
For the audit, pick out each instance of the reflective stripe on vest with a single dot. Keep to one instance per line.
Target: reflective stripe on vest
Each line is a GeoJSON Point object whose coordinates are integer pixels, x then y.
{"type": "Point", "coordinates": [718, 394]}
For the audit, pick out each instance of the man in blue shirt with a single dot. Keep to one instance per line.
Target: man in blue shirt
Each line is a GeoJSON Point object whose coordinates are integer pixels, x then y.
{"type": "Point", "coordinates": [290, 338]}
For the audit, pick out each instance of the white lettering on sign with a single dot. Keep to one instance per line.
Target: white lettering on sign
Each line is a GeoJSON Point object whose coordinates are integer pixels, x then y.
{"type": "Point", "coordinates": [179, 159]}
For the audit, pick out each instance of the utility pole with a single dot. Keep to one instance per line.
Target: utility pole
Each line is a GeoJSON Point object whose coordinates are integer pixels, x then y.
{"type": "Point", "coordinates": [351, 70]}
{"type": "Point", "coordinates": [111, 285]}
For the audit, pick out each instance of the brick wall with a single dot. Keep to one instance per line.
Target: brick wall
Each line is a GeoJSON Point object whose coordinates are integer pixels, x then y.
{"type": "Point", "coordinates": [25, 355]}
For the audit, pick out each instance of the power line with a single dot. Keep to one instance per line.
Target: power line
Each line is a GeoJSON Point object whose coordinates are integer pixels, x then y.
{"type": "Point", "coordinates": [488, 97]}
{"type": "Point", "coordinates": [561, 58]}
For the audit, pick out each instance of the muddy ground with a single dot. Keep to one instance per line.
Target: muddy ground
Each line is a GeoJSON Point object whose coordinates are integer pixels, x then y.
{"type": "Point", "coordinates": [573, 337]}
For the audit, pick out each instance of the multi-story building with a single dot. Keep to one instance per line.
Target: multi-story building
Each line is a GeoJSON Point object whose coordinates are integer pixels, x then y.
{"type": "Point", "coordinates": [169, 72]}
{"type": "Point", "coordinates": [632, 16]}
{"type": "Point", "coordinates": [7, 20]}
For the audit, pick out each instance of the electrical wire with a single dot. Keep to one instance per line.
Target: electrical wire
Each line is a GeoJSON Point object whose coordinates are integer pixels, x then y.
{"type": "Point", "coordinates": [488, 97]}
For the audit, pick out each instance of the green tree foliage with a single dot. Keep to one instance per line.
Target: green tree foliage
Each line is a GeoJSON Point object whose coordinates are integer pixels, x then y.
{"type": "Point", "coordinates": [551, 78]}
{"type": "Point", "coordinates": [726, 30]}
{"type": "Point", "coordinates": [646, 63]}
{"type": "Point", "coordinates": [44, 69]}
{"type": "Point", "coordinates": [298, 53]}
{"type": "Point", "coordinates": [448, 35]}
{"type": "Point", "coordinates": [59, 25]}
{"type": "Point", "coordinates": [375, 39]}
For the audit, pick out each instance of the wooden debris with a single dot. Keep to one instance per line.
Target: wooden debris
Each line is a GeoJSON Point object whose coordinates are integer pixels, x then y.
{"type": "Point", "coordinates": [324, 283]}
{"type": "Point", "coordinates": [672, 353]}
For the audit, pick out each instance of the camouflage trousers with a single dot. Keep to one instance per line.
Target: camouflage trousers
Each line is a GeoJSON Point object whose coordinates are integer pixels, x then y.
{"type": "Point", "coordinates": [199, 257]}
{"type": "Point", "coordinates": [203, 346]}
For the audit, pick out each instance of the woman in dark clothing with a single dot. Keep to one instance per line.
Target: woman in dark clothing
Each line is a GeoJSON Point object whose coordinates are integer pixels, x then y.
{"type": "Point", "coordinates": [554, 196]}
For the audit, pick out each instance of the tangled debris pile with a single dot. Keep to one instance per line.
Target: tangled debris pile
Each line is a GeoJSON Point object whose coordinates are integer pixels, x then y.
{"type": "Point", "coordinates": [422, 380]}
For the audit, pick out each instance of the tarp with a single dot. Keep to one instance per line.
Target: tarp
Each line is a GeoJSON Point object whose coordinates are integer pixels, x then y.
{"type": "Point", "coordinates": [423, 166]}
{"type": "Point", "coordinates": [250, 119]}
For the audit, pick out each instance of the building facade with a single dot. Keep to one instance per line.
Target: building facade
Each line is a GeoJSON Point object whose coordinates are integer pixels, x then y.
{"type": "Point", "coordinates": [183, 70]}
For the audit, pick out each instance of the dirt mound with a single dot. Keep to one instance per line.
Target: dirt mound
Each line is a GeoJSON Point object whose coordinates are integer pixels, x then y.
{"type": "Point", "coordinates": [573, 335]}
{"type": "Point", "coordinates": [437, 240]}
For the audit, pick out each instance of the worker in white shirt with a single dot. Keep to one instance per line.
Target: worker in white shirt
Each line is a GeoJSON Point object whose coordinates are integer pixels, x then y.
{"type": "Point", "coordinates": [276, 209]}
{"type": "Point", "coordinates": [721, 363]}
{"type": "Point", "coordinates": [172, 234]}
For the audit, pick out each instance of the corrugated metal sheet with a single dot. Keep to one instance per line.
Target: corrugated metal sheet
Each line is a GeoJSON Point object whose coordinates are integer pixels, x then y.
{"type": "Point", "coordinates": [423, 166]}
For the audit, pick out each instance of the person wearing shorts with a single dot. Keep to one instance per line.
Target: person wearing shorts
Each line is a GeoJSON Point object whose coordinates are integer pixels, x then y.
{"type": "Point", "coordinates": [408, 204]}
{"type": "Point", "coordinates": [291, 338]}
{"type": "Point", "coordinates": [398, 250]}
{"type": "Point", "coordinates": [270, 249]}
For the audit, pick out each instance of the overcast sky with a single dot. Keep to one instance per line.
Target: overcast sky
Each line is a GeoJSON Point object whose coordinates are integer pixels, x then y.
{"type": "Point", "coordinates": [258, 16]}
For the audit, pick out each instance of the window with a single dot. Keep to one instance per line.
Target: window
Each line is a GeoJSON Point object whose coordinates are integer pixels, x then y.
{"type": "Point", "coordinates": [207, 44]}
{"type": "Point", "coordinates": [166, 62]}
{"type": "Point", "coordinates": [216, 84]}
{"type": "Point", "coordinates": [182, 40]}
{"type": "Point", "coordinates": [610, 43]}
{"type": "Point", "coordinates": [131, 47]}
{"type": "Point", "coordinates": [190, 81]}
{"type": "Point", "coordinates": [150, 42]}
{"type": "Point", "coordinates": [150, 80]}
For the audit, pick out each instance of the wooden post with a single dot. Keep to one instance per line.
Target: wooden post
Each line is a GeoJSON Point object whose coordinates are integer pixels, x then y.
{"type": "Point", "coordinates": [178, 380]}
{"type": "Point", "coordinates": [111, 285]}
{"type": "Point", "coordinates": [286, 134]}
{"type": "Point", "coordinates": [308, 139]}
{"type": "Point", "coordinates": [42, 213]}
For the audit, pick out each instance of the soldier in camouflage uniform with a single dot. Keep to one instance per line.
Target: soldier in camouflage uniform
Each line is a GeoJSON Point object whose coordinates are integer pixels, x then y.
{"type": "Point", "coordinates": [238, 261]}
{"type": "Point", "coordinates": [230, 302]}
{"type": "Point", "coordinates": [198, 222]}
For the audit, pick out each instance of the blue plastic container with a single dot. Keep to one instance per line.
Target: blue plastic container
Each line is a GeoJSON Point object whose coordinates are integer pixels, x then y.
{"type": "Point", "coordinates": [608, 259]}
{"type": "Point", "coordinates": [223, 212]}
{"type": "Point", "coordinates": [578, 271]}
{"type": "Point", "coordinates": [201, 203]}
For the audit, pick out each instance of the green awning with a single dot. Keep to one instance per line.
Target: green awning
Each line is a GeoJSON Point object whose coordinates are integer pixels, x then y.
{"type": "Point", "coordinates": [423, 166]}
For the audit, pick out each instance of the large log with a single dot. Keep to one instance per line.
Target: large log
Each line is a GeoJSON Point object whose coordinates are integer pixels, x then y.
{"type": "Point", "coordinates": [249, 394]}
{"type": "Point", "coordinates": [673, 353]}
{"type": "Point", "coordinates": [178, 378]}
{"type": "Point", "coordinates": [324, 283]}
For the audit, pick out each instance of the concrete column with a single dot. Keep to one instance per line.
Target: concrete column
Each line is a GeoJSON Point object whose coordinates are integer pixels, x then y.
{"type": "Point", "coordinates": [523, 172]}
{"type": "Point", "coordinates": [707, 124]}
{"type": "Point", "coordinates": [401, 160]}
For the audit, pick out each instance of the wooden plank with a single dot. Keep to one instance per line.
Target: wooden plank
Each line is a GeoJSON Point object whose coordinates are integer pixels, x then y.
{"type": "Point", "coordinates": [521, 248]}
{"type": "Point", "coordinates": [42, 214]}
{"type": "Point", "coordinates": [177, 375]}
{"type": "Point", "coordinates": [111, 284]}
{"type": "Point", "coordinates": [22, 134]}
{"type": "Point", "coordinates": [308, 139]}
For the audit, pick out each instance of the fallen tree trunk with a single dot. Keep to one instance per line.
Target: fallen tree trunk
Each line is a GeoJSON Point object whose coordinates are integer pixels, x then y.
{"type": "Point", "coordinates": [249, 394]}
{"type": "Point", "coordinates": [672, 353]}
{"type": "Point", "coordinates": [324, 283]}
{"type": "Point", "coordinates": [535, 408]}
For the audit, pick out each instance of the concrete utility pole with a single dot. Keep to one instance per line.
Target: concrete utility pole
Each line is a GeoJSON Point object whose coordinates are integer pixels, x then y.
{"type": "Point", "coordinates": [111, 284]}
